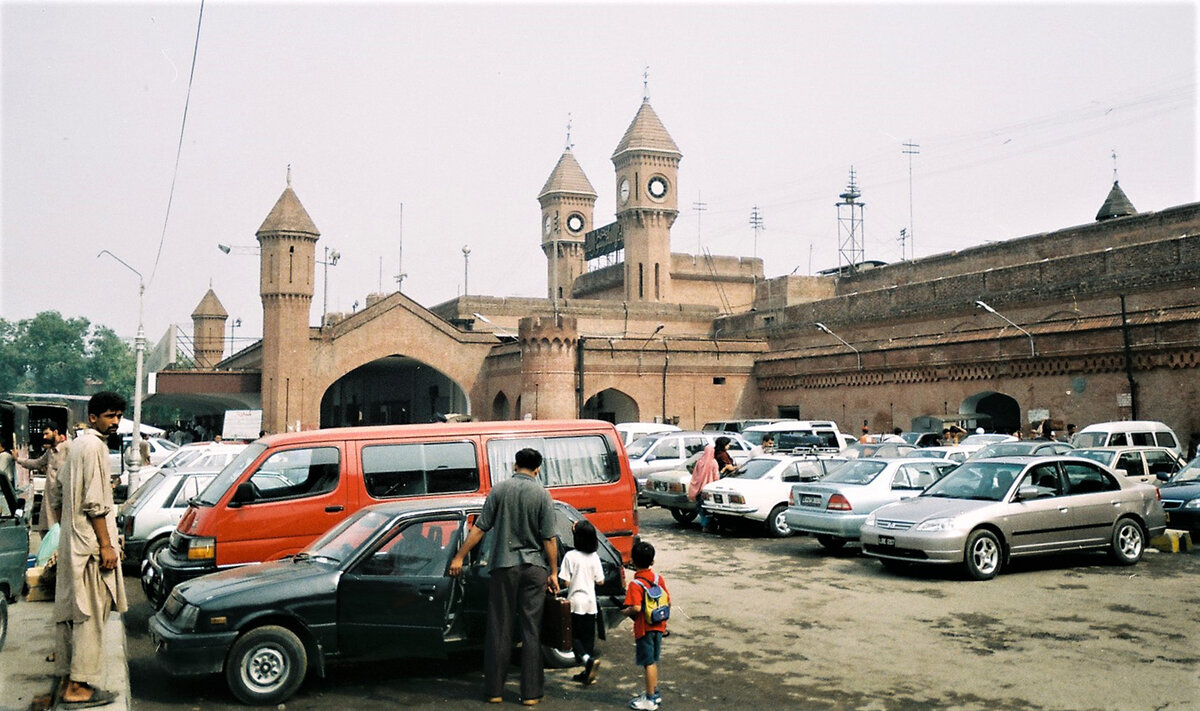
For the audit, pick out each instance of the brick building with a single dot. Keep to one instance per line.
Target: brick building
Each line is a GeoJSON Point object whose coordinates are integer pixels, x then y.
{"type": "Point", "coordinates": [1088, 323]}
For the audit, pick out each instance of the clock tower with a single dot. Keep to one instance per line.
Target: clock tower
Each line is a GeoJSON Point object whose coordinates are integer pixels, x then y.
{"type": "Point", "coordinates": [647, 167]}
{"type": "Point", "coordinates": [568, 201]}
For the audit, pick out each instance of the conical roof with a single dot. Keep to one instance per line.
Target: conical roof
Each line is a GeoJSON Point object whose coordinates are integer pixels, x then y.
{"type": "Point", "coordinates": [1116, 204]}
{"type": "Point", "coordinates": [646, 133]}
{"type": "Point", "coordinates": [567, 177]}
{"type": "Point", "coordinates": [210, 307]}
{"type": "Point", "coordinates": [288, 215]}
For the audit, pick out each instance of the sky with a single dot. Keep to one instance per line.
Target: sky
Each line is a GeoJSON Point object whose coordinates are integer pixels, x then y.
{"type": "Point", "coordinates": [458, 112]}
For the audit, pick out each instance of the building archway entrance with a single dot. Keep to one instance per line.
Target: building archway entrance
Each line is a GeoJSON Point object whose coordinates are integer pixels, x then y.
{"type": "Point", "coordinates": [610, 405]}
{"type": "Point", "coordinates": [500, 409]}
{"type": "Point", "coordinates": [395, 390]}
{"type": "Point", "coordinates": [998, 412]}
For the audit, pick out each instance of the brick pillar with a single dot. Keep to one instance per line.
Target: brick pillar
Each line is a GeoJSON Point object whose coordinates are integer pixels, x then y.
{"type": "Point", "coordinates": [548, 367]}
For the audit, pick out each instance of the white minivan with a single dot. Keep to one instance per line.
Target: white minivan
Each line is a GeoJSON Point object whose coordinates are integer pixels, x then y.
{"type": "Point", "coordinates": [1127, 433]}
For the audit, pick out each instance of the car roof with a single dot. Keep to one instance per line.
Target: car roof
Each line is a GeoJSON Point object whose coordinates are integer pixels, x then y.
{"type": "Point", "coordinates": [785, 425]}
{"type": "Point", "coordinates": [515, 427]}
{"type": "Point", "coordinates": [437, 504]}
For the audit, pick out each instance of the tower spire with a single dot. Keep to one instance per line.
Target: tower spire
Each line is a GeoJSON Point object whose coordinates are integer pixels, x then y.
{"type": "Point", "coordinates": [646, 83]}
{"type": "Point", "coordinates": [1114, 157]}
{"type": "Point", "coordinates": [289, 175]}
{"type": "Point", "coordinates": [569, 131]}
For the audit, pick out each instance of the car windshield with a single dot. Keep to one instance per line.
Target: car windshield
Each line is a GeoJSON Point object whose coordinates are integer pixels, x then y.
{"type": "Point", "coordinates": [754, 437]}
{"type": "Point", "coordinates": [1103, 456]}
{"type": "Point", "coordinates": [1089, 439]}
{"type": "Point", "coordinates": [217, 487]}
{"type": "Point", "coordinates": [1189, 474]}
{"type": "Point", "coordinates": [345, 538]}
{"type": "Point", "coordinates": [181, 458]}
{"type": "Point", "coordinates": [982, 480]}
{"type": "Point", "coordinates": [1006, 449]}
{"type": "Point", "coordinates": [639, 446]}
{"type": "Point", "coordinates": [857, 472]}
{"type": "Point", "coordinates": [755, 468]}
{"type": "Point", "coordinates": [976, 440]}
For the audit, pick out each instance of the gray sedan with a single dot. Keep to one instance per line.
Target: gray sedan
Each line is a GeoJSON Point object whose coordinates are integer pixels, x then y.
{"type": "Point", "coordinates": [989, 511]}
{"type": "Point", "coordinates": [835, 507]}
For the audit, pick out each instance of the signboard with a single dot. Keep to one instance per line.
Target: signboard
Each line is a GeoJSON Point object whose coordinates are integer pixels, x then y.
{"type": "Point", "coordinates": [1124, 400]}
{"type": "Point", "coordinates": [1038, 415]}
{"type": "Point", "coordinates": [603, 240]}
{"type": "Point", "coordinates": [242, 424]}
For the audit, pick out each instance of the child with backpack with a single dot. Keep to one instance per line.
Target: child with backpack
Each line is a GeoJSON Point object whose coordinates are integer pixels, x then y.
{"type": "Point", "coordinates": [582, 572]}
{"type": "Point", "coordinates": [648, 604]}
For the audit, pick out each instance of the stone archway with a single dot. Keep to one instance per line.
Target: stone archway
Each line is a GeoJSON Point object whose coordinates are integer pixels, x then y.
{"type": "Point", "coordinates": [611, 405]}
{"type": "Point", "coordinates": [998, 412]}
{"type": "Point", "coordinates": [393, 390]}
{"type": "Point", "coordinates": [500, 408]}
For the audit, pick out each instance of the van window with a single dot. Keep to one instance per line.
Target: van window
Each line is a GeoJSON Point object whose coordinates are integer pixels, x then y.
{"type": "Point", "coordinates": [583, 459]}
{"type": "Point", "coordinates": [1142, 439]}
{"type": "Point", "coordinates": [1166, 439]}
{"type": "Point", "coordinates": [394, 470]}
{"type": "Point", "coordinates": [293, 473]}
{"type": "Point", "coordinates": [1118, 439]}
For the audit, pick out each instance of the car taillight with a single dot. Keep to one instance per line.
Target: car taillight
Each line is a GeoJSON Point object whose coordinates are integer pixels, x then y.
{"type": "Point", "coordinates": [792, 498]}
{"type": "Point", "coordinates": [837, 502]}
{"type": "Point", "coordinates": [128, 527]}
{"type": "Point", "coordinates": [1158, 493]}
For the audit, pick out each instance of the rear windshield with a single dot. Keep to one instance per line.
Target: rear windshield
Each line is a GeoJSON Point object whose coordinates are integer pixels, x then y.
{"type": "Point", "coordinates": [146, 487]}
{"type": "Point", "coordinates": [860, 472]}
{"type": "Point", "coordinates": [755, 468]}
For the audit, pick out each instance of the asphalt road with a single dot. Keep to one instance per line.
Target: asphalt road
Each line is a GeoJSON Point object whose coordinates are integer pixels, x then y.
{"type": "Point", "coordinates": [781, 623]}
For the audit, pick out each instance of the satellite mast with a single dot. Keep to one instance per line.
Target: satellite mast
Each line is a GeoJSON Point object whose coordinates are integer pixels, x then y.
{"type": "Point", "coordinates": [910, 149]}
{"type": "Point", "coordinates": [851, 239]}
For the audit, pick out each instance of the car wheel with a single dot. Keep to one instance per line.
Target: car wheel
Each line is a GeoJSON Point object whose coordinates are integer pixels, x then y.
{"type": "Point", "coordinates": [983, 553]}
{"type": "Point", "coordinates": [832, 543]}
{"type": "Point", "coordinates": [153, 547]}
{"type": "Point", "coordinates": [1128, 542]}
{"type": "Point", "coordinates": [3, 619]}
{"type": "Point", "coordinates": [684, 515]}
{"type": "Point", "coordinates": [776, 523]}
{"type": "Point", "coordinates": [555, 658]}
{"type": "Point", "coordinates": [266, 665]}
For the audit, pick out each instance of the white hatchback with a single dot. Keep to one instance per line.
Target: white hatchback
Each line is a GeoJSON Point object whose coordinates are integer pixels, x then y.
{"type": "Point", "coordinates": [759, 490]}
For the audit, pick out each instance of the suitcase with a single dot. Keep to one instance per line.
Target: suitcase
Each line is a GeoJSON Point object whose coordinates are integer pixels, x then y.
{"type": "Point", "coordinates": [556, 622]}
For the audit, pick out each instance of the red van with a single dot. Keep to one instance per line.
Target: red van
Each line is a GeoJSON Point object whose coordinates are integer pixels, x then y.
{"type": "Point", "coordinates": [284, 490]}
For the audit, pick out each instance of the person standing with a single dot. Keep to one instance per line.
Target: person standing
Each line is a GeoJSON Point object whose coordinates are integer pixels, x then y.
{"type": "Point", "coordinates": [89, 583]}
{"type": "Point", "coordinates": [520, 515]}
{"type": "Point", "coordinates": [705, 471]}
{"type": "Point", "coordinates": [725, 464]}
{"type": "Point", "coordinates": [53, 456]}
{"type": "Point", "coordinates": [582, 572]}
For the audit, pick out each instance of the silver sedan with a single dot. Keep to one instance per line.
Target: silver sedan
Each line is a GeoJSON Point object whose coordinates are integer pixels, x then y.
{"type": "Point", "coordinates": [835, 507]}
{"type": "Point", "coordinates": [989, 511]}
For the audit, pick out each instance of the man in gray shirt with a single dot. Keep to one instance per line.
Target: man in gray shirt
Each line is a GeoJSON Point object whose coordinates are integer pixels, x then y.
{"type": "Point", "coordinates": [520, 514]}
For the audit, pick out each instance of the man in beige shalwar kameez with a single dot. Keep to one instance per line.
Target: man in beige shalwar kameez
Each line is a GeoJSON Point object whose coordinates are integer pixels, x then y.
{"type": "Point", "coordinates": [89, 583]}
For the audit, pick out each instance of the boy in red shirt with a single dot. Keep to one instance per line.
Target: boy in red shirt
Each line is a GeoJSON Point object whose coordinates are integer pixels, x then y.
{"type": "Point", "coordinates": [648, 636]}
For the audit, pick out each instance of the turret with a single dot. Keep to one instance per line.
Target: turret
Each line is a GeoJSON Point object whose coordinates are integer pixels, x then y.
{"type": "Point", "coordinates": [568, 201]}
{"type": "Point", "coordinates": [208, 330]}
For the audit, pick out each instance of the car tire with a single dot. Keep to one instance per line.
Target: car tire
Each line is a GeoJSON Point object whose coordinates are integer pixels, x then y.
{"type": "Point", "coordinates": [983, 555]}
{"type": "Point", "coordinates": [3, 618]}
{"type": "Point", "coordinates": [1128, 542]}
{"type": "Point", "coordinates": [776, 522]}
{"type": "Point", "coordinates": [266, 666]}
{"type": "Point", "coordinates": [684, 515]}
{"type": "Point", "coordinates": [152, 549]}
{"type": "Point", "coordinates": [555, 658]}
{"type": "Point", "coordinates": [831, 543]}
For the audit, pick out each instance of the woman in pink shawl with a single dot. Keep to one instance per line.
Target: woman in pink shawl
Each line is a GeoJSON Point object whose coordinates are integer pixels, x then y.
{"type": "Point", "coordinates": [703, 472]}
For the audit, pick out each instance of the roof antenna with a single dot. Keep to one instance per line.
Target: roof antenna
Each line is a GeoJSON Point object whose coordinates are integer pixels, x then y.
{"type": "Point", "coordinates": [646, 84]}
{"type": "Point", "coordinates": [289, 175]}
{"type": "Point", "coordinates": [1114, 157]}
{"type": "Point", "coordinates": [569, 144]}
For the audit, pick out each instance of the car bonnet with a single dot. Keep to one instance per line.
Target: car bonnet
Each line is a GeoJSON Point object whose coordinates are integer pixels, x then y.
{"type": "Point", "coordinates": [276, 579]}
{"type": "Point", "coordinates": [920, 508]}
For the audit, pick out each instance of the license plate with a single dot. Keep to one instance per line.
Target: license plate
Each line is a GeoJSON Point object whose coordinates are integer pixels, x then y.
{"type": "Point", "coordinates": [810, 499]}
{"type": "Point", "coordinates": [887, 541]}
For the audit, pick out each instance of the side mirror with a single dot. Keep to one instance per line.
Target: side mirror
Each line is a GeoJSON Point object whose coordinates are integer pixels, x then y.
{"type": "Point", "coordinates": [1028, 492]}
{"type": "Point", "coordinates": [1163, 476]}
{"type": "Point", "coordinates": [1123, 472]}
{"type": "Point", "coordinates": [244, 494]}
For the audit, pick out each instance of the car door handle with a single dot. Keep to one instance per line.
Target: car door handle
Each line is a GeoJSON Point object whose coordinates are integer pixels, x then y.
{"type": "Point", "coordinates": [428, 591]}
{"type": "Point", "coordinates": [334, 509]}
{"type": "Point", "coordinates": [1063, 509]}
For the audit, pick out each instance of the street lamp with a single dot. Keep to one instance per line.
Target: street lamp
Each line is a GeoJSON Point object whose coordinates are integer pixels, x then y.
{"type": "Point", "coordinates": [139, 345]}
{"type": "Point", "coordinates": [238, 249]}
{"type": "Point", "coordinates": [989, 309]}
{"type": "Point", "coordinates": [331, 259]}
{"type": "Point", "coordinates": [466, 260]}
{"type": "Point", "coordinates": [825, 328]}
{"type": "Point", "coordinates": [497, 330]}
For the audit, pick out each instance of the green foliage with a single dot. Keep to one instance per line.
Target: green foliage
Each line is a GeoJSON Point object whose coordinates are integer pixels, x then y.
{"type": "Point", "coordinates": [49, 353]}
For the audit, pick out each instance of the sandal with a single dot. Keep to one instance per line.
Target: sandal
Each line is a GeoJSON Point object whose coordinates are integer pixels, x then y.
{"type": "Point", "coordinates": [100, 697]}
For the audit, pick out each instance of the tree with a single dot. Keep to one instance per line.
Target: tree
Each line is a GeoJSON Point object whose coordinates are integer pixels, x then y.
{"type": "Point", "coordinates": [12, 367]}
{"type": "Point", "coordinates": [111, 361]}
{"type": "Point", "coordinates": [49, 353]}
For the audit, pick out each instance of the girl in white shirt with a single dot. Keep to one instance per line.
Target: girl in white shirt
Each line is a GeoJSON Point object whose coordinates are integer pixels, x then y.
{"type": "Point", "coordinates": [582, 572]}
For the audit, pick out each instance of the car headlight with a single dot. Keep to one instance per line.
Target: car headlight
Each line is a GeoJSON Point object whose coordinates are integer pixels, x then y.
{"type": "Point", "coordinates": [935, 524]}
{"type": "Point", "coordinates": [1193, 504]}
{"type": "Point", "coordinates": [202, 549]}
{"type": "Point", "coordinates": [870, 519]}
{"type": "Point", "coordinates": [186, 621]}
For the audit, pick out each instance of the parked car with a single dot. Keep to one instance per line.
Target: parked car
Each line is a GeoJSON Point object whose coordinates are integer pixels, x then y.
{"type": "Point", "coordinates": [878, 450]}
{"type": "Point", "coordinates": [738, 426]}
{"type": "Point", "coordinates": [635, 430]}
{"type": "Point", "coordinates": [669, 488]}
{"type": "Point", "coordinates": [373, 587]}
{"type": "Point", "coordinates": [148, 517]}
{"type": "Point", "coordinates": [14, 549]}
{"type": "Point", "coordinates": [922, 439]}
{"type": "Point", "coordinates": [1031, 447]}
{"type": "Point", "coordinates": [1181, 498]}
{"type": "Point", "coordinates": [974, 443]}
{"type": "Point", "coordinates": [199, 455]}
{"type": "Point", "coordinates": [285, 490]}
{"type": "Point", "coordinates": [671, 450]}
{"type": "Point", "coordinates": [988, 511]}
{"type": "Point", "coordinates": [819, 435]}
{"type": "Point", "coordinates": [1148, 465]}
{"type": "Point", "coordinates": [758, 490]}
{"type": "Point", "coordinates": [1127, 433]}
{"type": "Point", "coordinates": [834, 508]}
{"type": "Point", "coordinates": [951, 453]}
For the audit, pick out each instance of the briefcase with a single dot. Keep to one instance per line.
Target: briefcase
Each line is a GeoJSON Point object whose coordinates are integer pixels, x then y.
{"type": "Point", "coordinates": [556, 622]}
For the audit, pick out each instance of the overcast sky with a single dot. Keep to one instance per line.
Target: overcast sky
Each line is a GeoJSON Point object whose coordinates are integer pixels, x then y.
{"type": "Point", "coordinates": [460, 112]}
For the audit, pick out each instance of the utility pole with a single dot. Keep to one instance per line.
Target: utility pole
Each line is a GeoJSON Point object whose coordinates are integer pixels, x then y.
{"type": "Point", "coordinates": [910, 149]}
{"type": "Point", "coordinates": [756, 223]}
{"type": "Point", "coordinates": [400, 259]}
{"type": "Point", "coordinates": [903, 236]}
{"type": "Point", "coordinates": [466, 263]}
{"type": "Point", "coordinates": [699, 207]}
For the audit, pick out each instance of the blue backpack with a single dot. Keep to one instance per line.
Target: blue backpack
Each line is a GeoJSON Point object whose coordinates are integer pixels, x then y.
{"type": "Point", "coordinates": [656, 603]}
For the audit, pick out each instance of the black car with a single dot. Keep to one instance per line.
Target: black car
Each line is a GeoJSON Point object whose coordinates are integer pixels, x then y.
{"type": "Point", "coordinates": [14, 549]}
{"type": "Point", "coordinates": [373, 587]}
{"type": "Point", "coordinates": [1181, 498]}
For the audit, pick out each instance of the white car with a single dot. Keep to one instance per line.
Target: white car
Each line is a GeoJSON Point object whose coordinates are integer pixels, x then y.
{"type": "Point", "coordinates": [973, 443]}
{"type": "Point", "coordinates": [670, 450]}
{"type": "Point", "coordinates": [952, 452]}
{"type": "Point", "coordinates": [759, 490]}
{"type": "Point", "coordinates": [631, 431]}
{"type": "Point", "coordinates": [200, 455]}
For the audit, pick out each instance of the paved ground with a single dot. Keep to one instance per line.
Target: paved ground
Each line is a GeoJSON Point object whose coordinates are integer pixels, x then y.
{"type": "Point", "coordinates": [780, 623]}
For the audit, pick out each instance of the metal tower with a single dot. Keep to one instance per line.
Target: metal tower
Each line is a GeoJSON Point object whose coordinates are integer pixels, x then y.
{"type": "Point", "coordinates": [851, 238]}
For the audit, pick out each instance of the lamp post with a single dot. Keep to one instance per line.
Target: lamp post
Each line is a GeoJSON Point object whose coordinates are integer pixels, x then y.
{"type": "Point", "coordinates": [139, 346]}
{"type": "Point", "coordinates": [331, 259]}
{"type": "Point", "coordinates": [989, 309]}
{"type": "Point", "coordinates": [466, 262]}
{"type": "Point", "coordinates": [233, 333]}
{"type": "Point", "coordinates": [825, 328]}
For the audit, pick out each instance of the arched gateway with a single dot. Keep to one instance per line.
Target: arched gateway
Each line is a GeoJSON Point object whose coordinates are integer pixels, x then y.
{"type": "Point", "coordinates": [395, 390]}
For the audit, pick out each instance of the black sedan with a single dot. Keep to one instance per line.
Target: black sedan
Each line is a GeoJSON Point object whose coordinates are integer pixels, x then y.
{"type": "Point", "coordinates": [373, 587]}
{"type": "Point", "coordinates": [1181, 498]}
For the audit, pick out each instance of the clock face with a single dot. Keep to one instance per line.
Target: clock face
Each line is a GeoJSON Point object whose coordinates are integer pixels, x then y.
{"type": "Point", "coordinates": [546, 226]}
{"type": "Point", "coordinates": [657, 187]}
{"type": "Point", "coordinates": [575, 223]}
{"type": "Point", "coordinates": [624, 190]}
